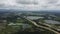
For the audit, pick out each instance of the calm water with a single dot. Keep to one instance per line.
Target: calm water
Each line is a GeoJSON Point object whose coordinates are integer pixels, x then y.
{"type": "Point", "coordinates": [34, 17]}
{"type": "Point", "coordinates": [52, 22]}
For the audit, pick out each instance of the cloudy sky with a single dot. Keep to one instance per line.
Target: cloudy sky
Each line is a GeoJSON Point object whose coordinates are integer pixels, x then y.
{"type": "Point", "coordinates": [30, 4]}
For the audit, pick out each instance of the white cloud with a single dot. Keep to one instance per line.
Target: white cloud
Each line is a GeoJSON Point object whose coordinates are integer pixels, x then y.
{"type": "Point", "coordinates": [30, 4]}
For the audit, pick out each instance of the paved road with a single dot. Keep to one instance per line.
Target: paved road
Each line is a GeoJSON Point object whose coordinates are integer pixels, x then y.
{"type": "Point", "coordinates": [42, 26]}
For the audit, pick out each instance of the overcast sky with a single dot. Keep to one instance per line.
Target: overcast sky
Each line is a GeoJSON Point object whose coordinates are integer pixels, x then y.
{"type": "Point", "coordinates": [30, 4]}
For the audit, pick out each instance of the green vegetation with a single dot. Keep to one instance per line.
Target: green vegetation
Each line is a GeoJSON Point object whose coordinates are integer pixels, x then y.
{"type": "Point", "coordinates": [57, 19]}
{"type": "Point", "coordinates": [42, 21]}
{"type": "Point", "coordinates": [11, 29]}
{"type": "Point", "coordinates": [19, 21]}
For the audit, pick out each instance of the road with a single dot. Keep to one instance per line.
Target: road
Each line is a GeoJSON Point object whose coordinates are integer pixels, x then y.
{"type": "Point", "coordinates": [40, 26]}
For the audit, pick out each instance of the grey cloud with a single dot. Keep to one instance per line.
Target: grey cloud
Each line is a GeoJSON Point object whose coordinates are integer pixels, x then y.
{"type": "Point", "coordinates": [26, 2]}
{"type": "Point", "coordinates": [52, 1]}
{"type": "Point", "coordinates": [1, 5]}
{"type": "Point", "coordinates": [30, 4]}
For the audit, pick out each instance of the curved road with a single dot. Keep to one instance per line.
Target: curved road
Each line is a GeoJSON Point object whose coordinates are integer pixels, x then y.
{"type": "Point", "coordinates": [42, 26]}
